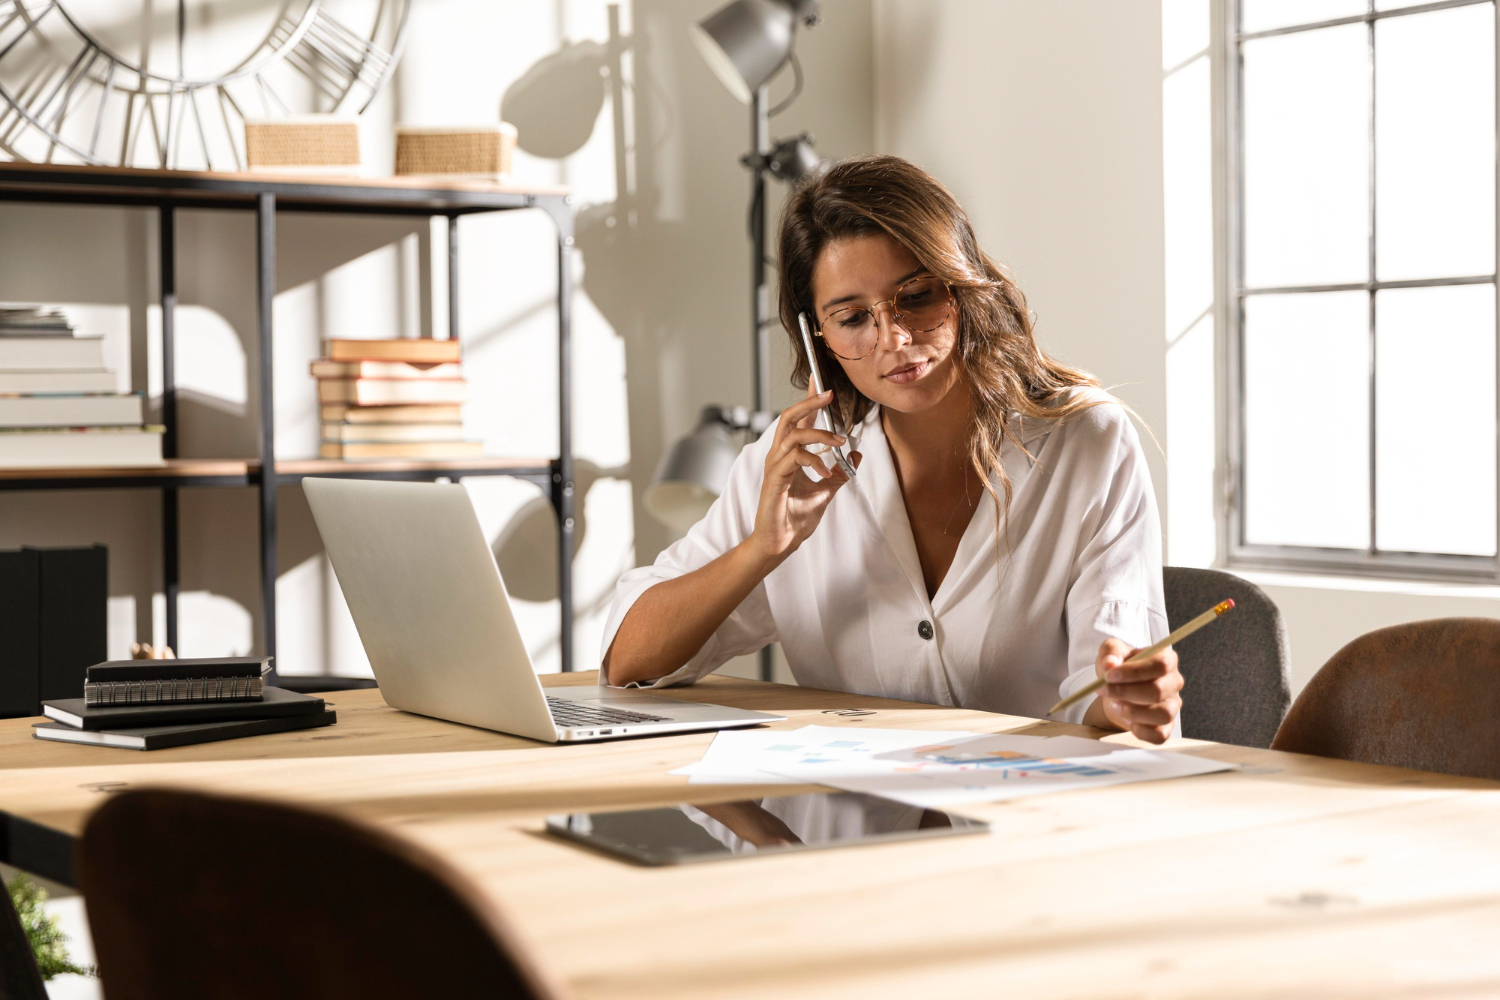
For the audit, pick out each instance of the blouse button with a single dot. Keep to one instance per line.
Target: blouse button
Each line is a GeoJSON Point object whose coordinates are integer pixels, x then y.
{"type": "Point", "coordinates": [924, 629]}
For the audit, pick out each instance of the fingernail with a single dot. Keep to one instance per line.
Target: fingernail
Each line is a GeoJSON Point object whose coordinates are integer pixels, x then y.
{"type": "Point", "coordinates": [825, 392]}
{"type": "Point", "coordinates": [841, 439]}
{"type": "Point", "coordinates": [1112, 677]}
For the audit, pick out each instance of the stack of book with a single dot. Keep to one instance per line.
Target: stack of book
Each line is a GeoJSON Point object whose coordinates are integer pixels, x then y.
{"type": "Point", "coordinates": [385, 399]}
{"type": "Point", "coordinates": [58, 404]}
{"type": "Point", "coordinates": [156, 704]}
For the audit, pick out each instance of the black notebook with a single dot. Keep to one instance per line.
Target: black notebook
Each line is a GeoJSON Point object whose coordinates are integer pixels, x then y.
{"type": "Point", "coordinates": [154, 682]}
{"type": "Point", "coordinates": [162, 737]}
{"type": "Point", "coordinates": [275, 703]}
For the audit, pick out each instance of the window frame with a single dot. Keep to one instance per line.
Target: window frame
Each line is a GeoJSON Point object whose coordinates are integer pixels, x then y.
{"type": "Point", "coordinates": [1372, 562]}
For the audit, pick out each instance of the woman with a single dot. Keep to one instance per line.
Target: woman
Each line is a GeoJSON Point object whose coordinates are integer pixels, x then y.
{"type": "Point", "coordinates": [999, 546]}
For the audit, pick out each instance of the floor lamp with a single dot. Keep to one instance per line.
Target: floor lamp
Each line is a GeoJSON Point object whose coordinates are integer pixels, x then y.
{"type": "Point", "coordinates": [745, 43]}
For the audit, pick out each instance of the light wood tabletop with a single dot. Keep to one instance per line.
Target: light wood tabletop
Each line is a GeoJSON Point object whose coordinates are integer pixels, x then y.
{"type": "Point", "coordinates": [1290, 877]}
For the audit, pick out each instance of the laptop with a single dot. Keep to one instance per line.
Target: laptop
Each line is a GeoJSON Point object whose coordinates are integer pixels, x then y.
{"type": "Point", "coordinates": [436, 622]}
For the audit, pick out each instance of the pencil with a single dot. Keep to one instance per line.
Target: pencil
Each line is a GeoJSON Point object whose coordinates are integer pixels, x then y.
{"type": "Point", "coordinates": [1211, 614]}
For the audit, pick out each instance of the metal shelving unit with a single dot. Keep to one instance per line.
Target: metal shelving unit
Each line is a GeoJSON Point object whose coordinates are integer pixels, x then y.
{"type": "Point", "coordinates": [266, 196]}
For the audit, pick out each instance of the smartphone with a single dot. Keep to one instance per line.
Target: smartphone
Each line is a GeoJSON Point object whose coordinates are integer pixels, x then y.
{"type": "Point", "coordinates": [824, 419]}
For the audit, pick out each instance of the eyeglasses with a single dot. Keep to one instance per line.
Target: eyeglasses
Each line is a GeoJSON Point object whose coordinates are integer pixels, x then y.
{"type": "Point", "coordinates": [919, 306]}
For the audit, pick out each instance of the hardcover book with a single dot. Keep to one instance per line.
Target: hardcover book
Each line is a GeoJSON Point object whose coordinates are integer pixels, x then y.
{"type": "Point", "coordinates": [381, 392]}
{"type": "Point", "coordinates": [418, 351]}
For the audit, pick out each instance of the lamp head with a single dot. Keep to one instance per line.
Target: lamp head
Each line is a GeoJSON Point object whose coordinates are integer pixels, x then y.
{"type": "Point", "coordinates": [746, 41]}
{"type": "Point", "coordinates": [693, 473]}
{"type": "Point", "coordinates": [794, 160]}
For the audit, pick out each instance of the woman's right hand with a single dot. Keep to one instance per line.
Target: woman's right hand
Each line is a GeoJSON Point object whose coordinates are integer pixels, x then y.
{"type": "Point", "coordinates": [792, 504]}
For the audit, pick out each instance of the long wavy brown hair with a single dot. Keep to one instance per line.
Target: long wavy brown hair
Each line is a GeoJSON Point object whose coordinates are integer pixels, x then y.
{"type": "Point", "coordinates": [997, 352]}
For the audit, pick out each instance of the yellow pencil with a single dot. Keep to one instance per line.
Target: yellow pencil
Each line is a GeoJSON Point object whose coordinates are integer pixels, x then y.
{"type": "Point", "coordinates": [1211, 614]}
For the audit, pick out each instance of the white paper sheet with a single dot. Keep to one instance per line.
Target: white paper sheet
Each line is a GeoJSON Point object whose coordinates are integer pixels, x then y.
{"type": "Point", "coordinates": [749, 757]}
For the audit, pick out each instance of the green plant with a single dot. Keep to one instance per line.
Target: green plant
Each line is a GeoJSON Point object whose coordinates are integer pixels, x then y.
{"type": "Point", "coordinates": [48, 943]}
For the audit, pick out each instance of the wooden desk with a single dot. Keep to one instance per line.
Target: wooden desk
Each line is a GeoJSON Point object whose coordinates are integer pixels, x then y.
{"type": "Point", "coordinates": [1293, 877]}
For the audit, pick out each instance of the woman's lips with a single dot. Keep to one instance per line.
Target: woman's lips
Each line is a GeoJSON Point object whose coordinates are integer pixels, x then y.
{"type": "Point", "coordinates": [910, 373]}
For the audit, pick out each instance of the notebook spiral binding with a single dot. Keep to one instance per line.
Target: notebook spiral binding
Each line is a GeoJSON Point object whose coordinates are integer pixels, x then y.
{"type": "Point", "coordinates": [168, 691]}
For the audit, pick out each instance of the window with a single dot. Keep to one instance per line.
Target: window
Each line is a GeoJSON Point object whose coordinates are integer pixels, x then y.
{"type": "Point", "coordinates": [1361, 271]}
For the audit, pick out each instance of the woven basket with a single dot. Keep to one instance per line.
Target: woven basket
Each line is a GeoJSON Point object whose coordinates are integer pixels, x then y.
{"type": "Point", "coordinates": [473, 151]}
{"type": "Point", "coordinates": [320, 142]}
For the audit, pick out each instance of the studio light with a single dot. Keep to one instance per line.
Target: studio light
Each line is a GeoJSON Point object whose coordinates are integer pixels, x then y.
{"type": "Point", "coordinates": [794, 160]}
{"type": "Point", "coordinates": [692, 475]}
{"type": "Point", "coordinates": [747, 41]}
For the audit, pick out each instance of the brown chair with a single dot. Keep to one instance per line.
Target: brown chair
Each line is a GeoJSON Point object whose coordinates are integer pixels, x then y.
{"type": "Point", "coordinates": [204, 897]}
{"type": "Point", "coordinates": [1423, 695]}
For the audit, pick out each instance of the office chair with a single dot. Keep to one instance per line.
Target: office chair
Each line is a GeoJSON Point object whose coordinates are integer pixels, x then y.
{"type": "Point", "coordinates": [1235, 673]}
{"type": "Point", "coordinates": [194, 896]}
{"type": "Point", "coordinates": [1423, 695]}
{"type": "Point", "coordinates": [20, 979]}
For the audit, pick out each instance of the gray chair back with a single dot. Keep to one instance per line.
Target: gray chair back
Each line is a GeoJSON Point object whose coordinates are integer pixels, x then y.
{"type": "Point", "coordinates": [1236, 672]}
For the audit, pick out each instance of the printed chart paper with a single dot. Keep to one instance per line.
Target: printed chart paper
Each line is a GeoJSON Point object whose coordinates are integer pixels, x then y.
{"type": "Point", "coordinates": [934, 769]}
{"type": "Point", "coordinates": [994, 768]}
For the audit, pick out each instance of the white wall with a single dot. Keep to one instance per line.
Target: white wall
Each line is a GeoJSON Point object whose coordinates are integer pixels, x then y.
{"type": "Point", "coordinates": [1044, 119]}
{"type": "Point", "coordinates": [663, 303]}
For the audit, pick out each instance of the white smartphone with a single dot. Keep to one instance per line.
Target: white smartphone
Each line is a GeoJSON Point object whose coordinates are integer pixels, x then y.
{"type": "Point", "coordinates": [824, 419]}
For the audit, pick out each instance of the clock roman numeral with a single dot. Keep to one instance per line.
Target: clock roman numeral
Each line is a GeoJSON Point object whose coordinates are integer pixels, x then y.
{"type": "Point", "coordinates": [336, 59]}
{"type": "Point", "coordinates": [45, 100]}
{"type": "Point", "coordinates": [14, 10]}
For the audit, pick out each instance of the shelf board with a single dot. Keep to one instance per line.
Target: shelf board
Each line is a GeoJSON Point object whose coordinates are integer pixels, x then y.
{"type": "Point", "coordinates": [295, 469]}
{"type": "Point", "coordinates": [231, 472]}
{"type": "Point", "coordinates": [20, 181]}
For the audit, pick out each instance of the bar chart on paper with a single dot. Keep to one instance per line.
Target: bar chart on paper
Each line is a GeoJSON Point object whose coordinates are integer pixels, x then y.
{"type": "Point", "coordinates": [936, 770]}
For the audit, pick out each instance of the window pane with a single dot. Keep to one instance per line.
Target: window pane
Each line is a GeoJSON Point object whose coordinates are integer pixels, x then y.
{"type": "Point", "coordinates": [1435, 144]}
{"type": "Point", "coordinates": [1398, 4]}
{"type": "Point", "coordinates": [1184, 31]}
{"type": "Point", "coordinates": [1435, 419]}
{"type": "Point", "coordinates": [1306, 153]}
{"type": "Point", "coordinates": [1307, 461]}
{"type": "Point", "coordinates": [1261, 15]}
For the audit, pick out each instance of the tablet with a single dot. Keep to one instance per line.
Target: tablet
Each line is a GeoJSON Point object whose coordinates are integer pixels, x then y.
{"type": "Point", "coordinates": [685, 833]}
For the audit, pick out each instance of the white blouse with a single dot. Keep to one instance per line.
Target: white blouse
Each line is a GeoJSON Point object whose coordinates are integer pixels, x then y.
{"type": "Point", "coordinates": [1019, 617]}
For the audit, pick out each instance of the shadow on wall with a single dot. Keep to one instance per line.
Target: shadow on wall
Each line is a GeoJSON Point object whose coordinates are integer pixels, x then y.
{"type": "Point", "coordinates": [526, 548]}
{"type": "Point", "coordinates": [656, 280]}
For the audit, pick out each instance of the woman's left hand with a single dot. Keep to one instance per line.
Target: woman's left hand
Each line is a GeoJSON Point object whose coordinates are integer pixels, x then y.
{"type": "Point", "coordinates": [1141, 698]}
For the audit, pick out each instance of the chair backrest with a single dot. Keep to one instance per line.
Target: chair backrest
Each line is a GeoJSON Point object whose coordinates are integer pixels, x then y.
{"type": "Point", "coordinates": [1423, 695]}
{"type": "Point", "coordinates": [1235, 673]}
{"type": "Point", "coordinates": [214, 898]}
{"type": "Point", "coordinates": [20, 979]}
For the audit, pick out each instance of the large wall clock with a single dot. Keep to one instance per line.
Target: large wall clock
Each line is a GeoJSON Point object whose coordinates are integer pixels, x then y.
{"type": "Point", "coordinates": [169, 83]}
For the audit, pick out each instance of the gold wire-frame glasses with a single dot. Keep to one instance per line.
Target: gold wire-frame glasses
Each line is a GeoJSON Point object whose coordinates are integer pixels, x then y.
{"type": "Point", "coordinates": [920, 305]}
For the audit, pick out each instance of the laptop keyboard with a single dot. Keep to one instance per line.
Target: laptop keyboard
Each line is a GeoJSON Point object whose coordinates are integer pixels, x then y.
{"type": "Point", "coordinates": [573, 713]}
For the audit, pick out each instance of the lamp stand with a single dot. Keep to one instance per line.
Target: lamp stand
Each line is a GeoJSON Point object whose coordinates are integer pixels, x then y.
{"type": "Point", "coordinates": [760, 292]}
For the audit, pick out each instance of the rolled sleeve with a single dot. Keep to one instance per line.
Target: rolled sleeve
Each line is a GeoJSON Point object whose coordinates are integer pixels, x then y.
{"type": "Point", "coordinates": [1133, 622]}
{"type": "Point", "coordinates": [729, 521]}
{"type": "Point", "coordinates": [1116, 589]}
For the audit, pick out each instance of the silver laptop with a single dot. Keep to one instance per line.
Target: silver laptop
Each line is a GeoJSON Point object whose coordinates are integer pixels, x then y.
{"type": "Point", "coordinates": [435, 620]}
